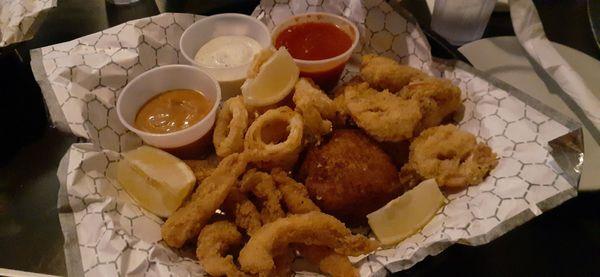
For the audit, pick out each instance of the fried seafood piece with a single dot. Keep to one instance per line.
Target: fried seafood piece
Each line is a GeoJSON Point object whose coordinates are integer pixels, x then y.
{"type": "Point", "coordinates": [230, 126]}
{"type": "Point", "coordinates": [451, 156]}
{"type": "Point", "coordinates": [275, 138]}
{"type": "Point", "coordinates": [316, 108]}
{"type": "Point", "coordinates": [242, 210]}
{"type": "Point", "coordinates": [213, 242]}
{"type": "Point", "coordinates": [385, 73]}
{"type": "Point", "coordinates": [203, 168]}
{"type": "Point", "coordinates": [350, 176]}
{"type": "Point", "coordinates": [313, 228]}
{"type": "Point", "coordinates": [329, 262]}
{"type": "Point", "coordinates": [187, 221]}
{"type": "Point", "coordinates": [438, 98]}
{"type": "Point", "coordinates": [295, 195]}
{"type": "Point", "coordinates": [298, 202]}
{"type": "Point", "coordinates": [384, 116]}
{"type": "Point", "coordinates": [261, 184]}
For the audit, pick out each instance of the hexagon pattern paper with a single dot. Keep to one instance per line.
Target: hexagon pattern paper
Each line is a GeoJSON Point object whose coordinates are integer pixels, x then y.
{"type": "Point", "coordinates": [107, 234]}
{"type": "Point", "coordinates": [18, 19]}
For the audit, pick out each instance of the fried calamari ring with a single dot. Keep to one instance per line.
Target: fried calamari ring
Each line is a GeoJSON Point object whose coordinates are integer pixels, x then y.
{"type": "Point", "coordinates": [313, 228]}
{"type": "Point", "coordinates": [384, 116]}
{"type": "Point", "coordinates": [384, 73]}
{"type": "Point", "coordinates": [261, 184]}
{"type": "Point", "coordinates": [275, 138]}
{"type": "Point", "coordinates": [243, 211]}
{"type": "Point", "coordinates": [316, 108]}
{"type": "Point", "coordinates": [451, 156]}
{"type": "Point", "coordinates": [187, 221]}
{"type": "Point", "coordinates": [298, 202]}
{"type": "Point", "coordinates": [213, 242]}
{"type": "Point", "coordinates": [438, 98]}
{"type": "Point", "coordinates": [230, 127]}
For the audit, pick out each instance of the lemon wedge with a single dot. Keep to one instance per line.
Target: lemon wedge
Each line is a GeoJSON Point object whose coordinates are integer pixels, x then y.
{"type": "Point", "coordinates": [155, 179]}
{"type": "Point", "coordinates": [407, 214]}
{"type": "Point", "coordinates": [275, 80]}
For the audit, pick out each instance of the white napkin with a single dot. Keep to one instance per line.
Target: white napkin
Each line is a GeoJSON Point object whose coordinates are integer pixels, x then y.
{"type": "Point", "coordinates": [531, 35]}
{"type": "Point", "coordinates": [18, 18]}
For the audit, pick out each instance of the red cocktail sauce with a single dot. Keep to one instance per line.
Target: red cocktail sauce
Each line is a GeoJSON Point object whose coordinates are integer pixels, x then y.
{"type": "Point", "coordinates": [316, 41]}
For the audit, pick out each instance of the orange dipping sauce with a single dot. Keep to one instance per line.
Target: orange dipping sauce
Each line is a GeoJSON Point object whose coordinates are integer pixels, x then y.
{"type": "Point", "coordinates": [316, 41]}
{"type": "Point", "coordinates": [172, 111]}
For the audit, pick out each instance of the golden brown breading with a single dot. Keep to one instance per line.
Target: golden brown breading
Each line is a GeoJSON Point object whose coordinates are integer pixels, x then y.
{"type": "Point", "coordinates": [243, 212]}
{"type": "Point", "coordinates": [261, 184]}
{"type": "Point", "coordinates": [203, 168]}
{"type": "Point", "coordinates": [384, 116]}
{"type": "Point", "coordinates": [438, 98]}
{"type": "Point", "coordinates": [213, 242]}
{"type": "Point", "coordinates": [451, 156]}
{"type": "Point", "coordinates": [350, 176]}
{"type": "Point", "coordinates": [313, 228]}
{"type": "Point", "coordinates": [230, 127]}
{"type": "Point", "coordinates": [316, 108]}
{"type": "Point", "coordinates": [329, 262]}
{"type": "Point", "coordinates": [384, 73]}
{"type": "Point", "coordinates": [187, 221]}
{"type": "Point", "coordinates": [295, 195]}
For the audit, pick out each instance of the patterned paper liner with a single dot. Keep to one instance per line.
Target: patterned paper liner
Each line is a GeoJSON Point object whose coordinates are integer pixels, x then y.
{"type": "Point", "coordinates": [107, 234]}
{"type": "Point", "coordinates": [19, 19]}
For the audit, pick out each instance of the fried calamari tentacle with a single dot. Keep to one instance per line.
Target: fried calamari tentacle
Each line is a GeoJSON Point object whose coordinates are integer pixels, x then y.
{"type": "Point", "coordinates": [230, 126]}
{"type": "Point", "coordinates": [329, 262]}
{"type": "Point", "coordinates": [451, 156]}
{"type": "Point", "coordinates": [384, 116]}
{"type": "Point", "coordinates": [243, 211]}
{"type": "Point", "coordinates": [385, 73]}
{"type": "Point", "coordinates": [203, 168]}
{"type": "Point", "coordinates": [275, 138]}
{"type": "Point", "coordinates": [187, 221]}
{"type": "Point", "coordinates": [213, 242]}
{"type": "Point", "coordinates": [438, 98]}
{"type": "Point", "coordinates": [295, 195]}
{"type": "Point", "coordinates": [313, 228]}
{"type": "Point", "coordinates": [316, 108]}
{"type": "Point", "coordinates": [261, 184]}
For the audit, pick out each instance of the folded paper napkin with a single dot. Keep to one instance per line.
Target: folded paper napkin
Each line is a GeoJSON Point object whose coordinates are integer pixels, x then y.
{"type": "Point", "coordinates": [19, 19]}
{"type": "Point", "coordinates": [530, 33]}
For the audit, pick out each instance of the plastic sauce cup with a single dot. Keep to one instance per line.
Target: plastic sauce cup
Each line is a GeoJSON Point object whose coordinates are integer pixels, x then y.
{"type": "Point", "coordinates": [228, 24]}
{"type": "Point", "coordinates": [325, 73]}
{"type": "Point", "coordinates": [186, 143]}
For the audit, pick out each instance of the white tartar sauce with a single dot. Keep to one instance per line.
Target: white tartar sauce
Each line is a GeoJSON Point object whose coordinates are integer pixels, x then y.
{"type": "Point", "coordinates": [227, 51]}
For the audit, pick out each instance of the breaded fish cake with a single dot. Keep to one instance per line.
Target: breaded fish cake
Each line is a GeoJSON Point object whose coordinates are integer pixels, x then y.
{"type": "Point", "coordinates": [350, 176]}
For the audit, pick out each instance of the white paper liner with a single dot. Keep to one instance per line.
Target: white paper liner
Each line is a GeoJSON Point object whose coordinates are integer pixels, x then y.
{"type": "Point", "coordinates": [107, 234]}
{"type": "Point", "coordinates": [19, 19]}
{"type": "Point", "coordinates": [530, 33]}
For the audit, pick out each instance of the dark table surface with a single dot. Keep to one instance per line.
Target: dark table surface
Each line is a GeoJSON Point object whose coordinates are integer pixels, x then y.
{"type": "Point", "coordinates": [563, 241]}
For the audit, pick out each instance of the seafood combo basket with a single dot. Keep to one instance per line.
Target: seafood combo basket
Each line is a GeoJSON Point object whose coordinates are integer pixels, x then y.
{"type": "Point", "coordinates": [535, 167]}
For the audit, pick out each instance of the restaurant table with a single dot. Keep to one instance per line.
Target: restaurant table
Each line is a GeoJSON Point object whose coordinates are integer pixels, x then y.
{"type": "Point", "coordinates": [562, 241]}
